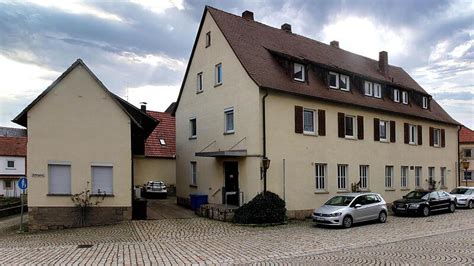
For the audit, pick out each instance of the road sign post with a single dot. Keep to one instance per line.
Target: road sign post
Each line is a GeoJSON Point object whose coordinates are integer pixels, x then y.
{"type": "Point", "coordinates": [22, 184]}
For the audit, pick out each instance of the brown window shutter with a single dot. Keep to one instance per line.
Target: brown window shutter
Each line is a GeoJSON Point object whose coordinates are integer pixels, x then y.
{"type": "Point", "coordinates": [360, 127]}
{"type": "Point", "coordinates": [376, 129]}
{"type": "Point", "coordinates": [431, 136]}
{"type": "Point", "coordinates": [340, 125]}
{"type": "Point", "coordinates": [321, 123]}
{"type": "Point", "coordinates": [420, 135]}
{"type": "Point", "coordinates": [299, 119]}
{"type": "Point", "coordinates": [393, 134]}
{"type": "Point", "coordinates": [407, 133]}
{"type": "Point", "coordinates": [443, 138]}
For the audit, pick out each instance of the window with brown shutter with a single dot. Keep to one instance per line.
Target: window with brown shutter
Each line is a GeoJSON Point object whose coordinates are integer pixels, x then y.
{"type": "Point", "coordinates": [299, 119]}
{"type": "Point", "coordinates": [443, 138]}
{"type": "Point", "coordinates": [360, 127]}
{"type": "Point", "coordinates": [376, 129]}
{"type": "Point", "coordinates": [420, 135]}
{"type": "Point", "coordinates": [321, 123]}
{"type": "Point", "coordinates": [431, 136]}
{"type": "Point", "coordinates": [340, 125]}
{"type": "Point", "coordinates": [393, 134]}
{"type": "Point", "coordinates": [407, 133]}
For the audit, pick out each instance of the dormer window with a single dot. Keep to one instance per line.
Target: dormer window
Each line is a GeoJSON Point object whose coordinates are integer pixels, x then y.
{"type": "Point", "coordinates": [344, 83]}
{"type": "Point", "coordinates": [377, 90]}
{"type": "Point", "coordinates": [299, 72]}
{"type": "Point", "coordinates": [339, 81]}
{"type": "Point", "coordinates": [333, 80]}
{"type": "Point", "coordinates": [396, 95]}
{"type": "Point", "coordinates": [425, 102]}
{"type": "Point", "coordinates": [405, 97]}
{"type": "Point", "coordinates": [368, 88]}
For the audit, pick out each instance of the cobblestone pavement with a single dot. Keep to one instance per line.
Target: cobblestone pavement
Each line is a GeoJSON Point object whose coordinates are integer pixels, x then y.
{"type": "Point", "coordinates": [439, 239]}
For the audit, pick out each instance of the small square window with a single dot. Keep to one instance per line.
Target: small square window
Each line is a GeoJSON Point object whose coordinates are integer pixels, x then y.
{"type": "Point", "coordinates": [299, 72]}
{"type": "Point", "coordinates": [350, 126]}
{"type": "Point", "coordinates": [193, 128]}
{"type": "Point", "coordinates": [162, 142]}
{"type": "Point", "coordinates": [405, 97]}
{"type": "Point", "coordinates": [218, 71]}
{"type": "Point", "coordinates": [208, 39]}
{"type": "Point", "coordinates": [425, 102]}
{"type": "Point", "coordinates": [229, 120]}
{"type": "Point", "coordinates": [368, 88]}
{"type": "Point", "coordinates": [333, 80]}
{"type": "Point", "coordinates": [8, 184]}
{"type": "Point", "coordinates": [396, 95]}
{"type": "Point", "coordinates": [377, 90]}
{"type": "Point", "coordinates": [467, 153]}
{"type": "Point", "coordinates": [344, 83]}
{"type": "Point", "coordinates": [199, 82]}
{"type": "Point", "coordinates": [308, 121]}
{"type": "Point", "coordinates": [10, 164]}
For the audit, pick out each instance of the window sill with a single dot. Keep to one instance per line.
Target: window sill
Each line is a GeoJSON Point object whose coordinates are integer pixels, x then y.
{"type": "Point", "coordinates": [199, 92]}
{"type": "Point", "coordinates": [365, 190]}
{"type": "Point", "coordinates": [384, 141]}
{"type": "Point", "coordinates": [9, 168]}
{"type": "Point", "coordinates": [321, 192]}
{"type": "Point", "coordinates": [350, 137]}
{"type": "Point", "coordinates": [58, 195]}
{"type": "Point", "coordinates": [217, 85]}
{"type": "Point", "coordinates": [342, 191]}
{"type": "Point", "coordinates": [299, 80]}
{"type": "Point", "coordinates": [190, 138]}
{"type": "Point", "coordinates": [334, 88]}
{"type": "Point", "coordinates": [404, 189]}
{"type": "Point", "coordinates": [311, 134]}
{"type": "Point", "coordinates": [193, 186]}
{"type": "Point", "coordinates": [389, 189]}
{"type": "Point", "coordinates": [102, 195]}
{"type": "Point", "coordinates": [412, 144]}
{"type": "Point", "coordinates": [229, 133]}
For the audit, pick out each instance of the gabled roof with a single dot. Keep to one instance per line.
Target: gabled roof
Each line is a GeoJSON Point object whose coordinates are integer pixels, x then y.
{"type": "Point", "coordinates": [140, 120]}
{"type": "Point", "coordinates": [466, 135]}
{"type": "Point", "coordinates": [13, 146]}
{"type": "Point", "coordinates": [166, 130]}
{"type": "Point", "coordinates": [256, 45]}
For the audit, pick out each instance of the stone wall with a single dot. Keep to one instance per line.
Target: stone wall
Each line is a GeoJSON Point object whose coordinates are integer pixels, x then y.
{"type": "Point", "coordinates": [48, 218]}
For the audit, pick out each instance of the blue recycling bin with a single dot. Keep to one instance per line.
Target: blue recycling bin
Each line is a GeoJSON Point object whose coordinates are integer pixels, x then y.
{"type": "Point", "coordinates": [197, 200]}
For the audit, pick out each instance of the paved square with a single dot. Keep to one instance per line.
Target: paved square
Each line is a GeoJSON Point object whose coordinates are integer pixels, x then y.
{"type": "Point", "coordinates": [440, 239]}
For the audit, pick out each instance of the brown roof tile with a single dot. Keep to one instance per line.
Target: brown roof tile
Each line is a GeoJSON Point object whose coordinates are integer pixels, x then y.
{"type": "Point", "coordinates": [466, 135]}
{"type": "Point", "coordinates": [13, 146]}
{"type": "Point", "coordinates": [166, 131]}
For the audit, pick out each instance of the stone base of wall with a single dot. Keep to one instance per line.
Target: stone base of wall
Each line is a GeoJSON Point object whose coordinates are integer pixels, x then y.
{"type": "Point", "coordinates": [299, 214]}
{"type": "Point", "coordinates": [52, 218]}
{"type": "Point", "coordinates": [185, 202]}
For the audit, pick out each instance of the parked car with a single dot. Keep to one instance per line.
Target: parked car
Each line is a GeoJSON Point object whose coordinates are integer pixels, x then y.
{"type": "Point", "coordinates": [423, 202]}
{"type": "Point", "coordinates": [156, 189]}
{"type": "Point", "coordinates": [464, 196]}
{"type": "Point", "coordinates": [346, 209]}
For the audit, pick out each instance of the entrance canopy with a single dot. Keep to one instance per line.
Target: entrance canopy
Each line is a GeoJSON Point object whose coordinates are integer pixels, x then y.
{"type": "Point", "coordinates": [223, 154]}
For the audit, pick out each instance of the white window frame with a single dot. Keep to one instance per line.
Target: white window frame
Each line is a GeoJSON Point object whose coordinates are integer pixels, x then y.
{"type": "Point", "coordinates": [342, 177]}
{"type": "Point", "coordinates": [348, 82]}
{"type": "Point", "coordinates": [412, 134]}
{"type": "Point", "coordinates": [396, 95]}
{"type": "Point", "coordinates": [354, 127]}
{"type": "Point", "coordinates": [404, 176]}
{"type": "Point", "coordinates": [11, 167]}
{"type": "Point", "coordinates": [303, 71]}
{"type": "Point", "coordinates": [95, 191]}
{"type": "Point", "coordinates": [442, 180]}
{"type": "Point", "coordinates": [437, 137]}
{"type": "Point", "coordinates": [425, 102]}
{"type": "Point", "coordinates": [337, 80]}
{"type": "Point", "coordinates": [193, 181]}
{"type": "Point", "coordinates": [217, 69]}
{"type": "Point", "coordinates": [368, 88]}
{"type": "Point", "coordinates": [314, 121]}
{"type": "Point", "coordinates": [68, 189]}
{"type": "Point", "coordinates": [389, 173]}
{"type": "Point", "coordinates": [418, 176]}
{"type": "Point", "coordinates": [387, 130]}
{"type": "Point", "coordinates": [227, 111]}
{"type": "Point", "coordinates": [404, 97]}
{"type": "Point", "coordinates": [199, 81]}
{"type": "Point", "coordinates": [162, 142]}
{"type": "Point", "coordinates": [377, 90]}
{"type": "Point", "coordinates": [320, 177]}
{"type": "Point", "coordinates": [191, 135]}
{"type": "Point", "coordinates": [364, 177]}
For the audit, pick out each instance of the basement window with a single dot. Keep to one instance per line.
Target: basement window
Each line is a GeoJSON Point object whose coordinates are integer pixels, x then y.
{"type": "Point", "coordinates": [299, 72]}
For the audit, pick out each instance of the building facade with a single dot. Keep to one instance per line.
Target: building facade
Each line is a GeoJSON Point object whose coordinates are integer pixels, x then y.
{"type": "Point", "coordinates": [81, 137]}
{"type": "Point", "coordinates": [329, 121]}
{"type": "Point", "coordinates": [466, 149]}
{"type": "Point", "coordinates": [12, 161]}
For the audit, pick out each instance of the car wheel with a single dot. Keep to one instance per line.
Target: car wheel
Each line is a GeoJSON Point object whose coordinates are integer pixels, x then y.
{"type": "Point", "coordinates": [425, 211]}
{"type": "Point", "coordinates": [347, 222]}
{"type": "Point", "coordinates": [470, 204]}
{"type": "Point", "coordinates": [452, 207]}
{"type": "Point", "coordinates": [382, 217]}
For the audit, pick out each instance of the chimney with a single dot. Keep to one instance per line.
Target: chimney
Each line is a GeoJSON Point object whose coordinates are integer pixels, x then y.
{"type": "Point", "coordinates": [143, 106]}
{"type": "Point", "coordinates": [248, 15]}
{"type": "Point", "coordinates": [286, 27]}
{"type": "Point", "coordinates": [383, 63]}
{"type": "Point", "coordinates": [334, 44]}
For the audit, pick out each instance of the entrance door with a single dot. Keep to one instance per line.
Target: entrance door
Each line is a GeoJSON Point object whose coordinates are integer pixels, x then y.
{"type": "Point", "coordinates": [231, 171]}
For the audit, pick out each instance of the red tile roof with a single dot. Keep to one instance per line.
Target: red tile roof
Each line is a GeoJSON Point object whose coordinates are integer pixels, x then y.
{"type": "Point", "coordinates": [166, 130]}
{"type": "Point", "coordinates": [255, 45]}
{"type": "Point", "coordinates": [13, 146]}
{"type": "Point", "coordinates": [466, 135]}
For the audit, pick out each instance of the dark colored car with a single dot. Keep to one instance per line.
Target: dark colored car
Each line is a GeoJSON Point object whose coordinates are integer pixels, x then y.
{"type": "Point", "coordinates": [422, 202]}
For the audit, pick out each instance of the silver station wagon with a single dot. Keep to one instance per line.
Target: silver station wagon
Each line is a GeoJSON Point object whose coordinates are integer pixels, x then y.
{"type": "Point", "coordinates": [346, 209]}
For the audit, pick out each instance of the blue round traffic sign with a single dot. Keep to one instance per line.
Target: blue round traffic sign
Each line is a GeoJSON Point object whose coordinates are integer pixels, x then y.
{"type": "Point", "coordinates": [23, 183]}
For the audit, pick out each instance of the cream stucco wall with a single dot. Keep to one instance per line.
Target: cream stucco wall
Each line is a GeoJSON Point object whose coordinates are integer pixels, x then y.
{"type": "Point", "coordinates": [154, 169]}
{"type": "Point", "coordinates": [79, 123]}
{"type": "Point", "coordinates": [462, 147]}
{"type": "Point", "coordinates": [300, 152]}
{"type": "Point", "coordinates": [237, 91]}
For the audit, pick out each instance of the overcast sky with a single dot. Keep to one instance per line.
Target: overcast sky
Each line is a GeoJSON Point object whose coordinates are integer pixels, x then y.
{"type": "Point", "coordinates": [140, 49]}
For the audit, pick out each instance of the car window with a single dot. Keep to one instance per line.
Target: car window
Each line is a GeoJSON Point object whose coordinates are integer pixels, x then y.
{"type": "Point", "coordinates": [339, 201]}
{"type": "Point", "coordinates": [360, 200]}
{"type": "Point", "coordinates": [434, 195]}
{"type": "Point", "coordinates": [445, 194]}
{"type": "Point", "coordinates": [372, 199]}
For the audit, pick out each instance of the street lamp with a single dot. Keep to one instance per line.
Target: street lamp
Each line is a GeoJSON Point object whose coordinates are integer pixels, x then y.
{"type": "Point", "coordinates": [265, 166]}
{"type": "Point", "coordinates": [465, 165]}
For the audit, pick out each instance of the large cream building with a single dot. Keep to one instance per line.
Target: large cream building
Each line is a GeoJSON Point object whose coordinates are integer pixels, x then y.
{"type": "Point", "coordinates": [327, 120]}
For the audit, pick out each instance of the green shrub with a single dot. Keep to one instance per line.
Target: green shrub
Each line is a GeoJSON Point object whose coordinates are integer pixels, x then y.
{"type": "Point", "coordinates": [265, 208]}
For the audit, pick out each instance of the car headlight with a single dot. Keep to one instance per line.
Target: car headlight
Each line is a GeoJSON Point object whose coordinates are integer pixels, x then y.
{"type": "Point", "coordinates": [336, 214]}
{"type": "Point", "coordinates": [414, 206]}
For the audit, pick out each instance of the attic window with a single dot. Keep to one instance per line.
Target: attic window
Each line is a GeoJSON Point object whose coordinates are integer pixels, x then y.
{"type": "Point", "coordinates": [208, 39]}
{"type": "Point", "coordinates": [299, 72]}
{"type": "Point", "coordinates": [405, 97]}
{"type": "Point", "coordinates": [368, 88]}
{"type": "Point", "coordinates": [333, 80]}
{"type": "Point", "coordinates": [162, 142]}
{"type": "Point", "coordinates": [425, 102]}
{"type": "Point", "coordinates": [396, 95]}
{"type": "Point", "coordinates": [344, 83]}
